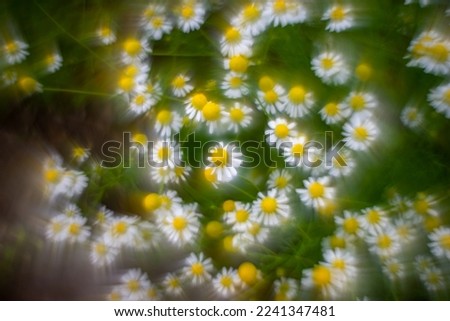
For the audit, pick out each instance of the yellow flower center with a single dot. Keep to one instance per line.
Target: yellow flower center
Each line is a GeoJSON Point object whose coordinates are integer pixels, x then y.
{"type": "Point", "coordinates": [281, 182]}
{"type": "Point", "coordinates": [164, 153]}
{"type": "Point", "coordinates": [248, 273]}
{"type": "Point", "coordinates": [384, 241]}
{"type": "Point", "coordinates": [373, 217]}
{"type": "Point", "coordinates": [133, 286]}
{"type": "Point", "coordinates": [235, 82]}
{"type": "Point", "coordinates": [210, 175]}
{"type": "Point", "coordinates": [316, 190]}
{"type": "Point", "coordinates": [211, 111]}
{"type": "Point", "coordinates": [198, 101]}
{"type": "Point", "coordinates": [321, 276]}
{"type": "Point", "coordinates": [232, 35]}
{"type": "Point", "coordinates": [140, 138]}
{"type": "Point", "coordinates": [239, 64]}
{"type": "Point", "coordinates": [297, 94]}
{"type": "Point", "coordinates": [269, 205]}
{"type": "Point", "coordinates": [100, 249]}
{"type": "Point", "coordinates": [251, 13]}
{"type": "Point", "coordinates": [157, 22]}
{"type": "Point", "coordinates": [280, 6]}
{"type": "Point", "coordinates": [179, 82]}
{"type": "Point", "coordinates": [187, 12]}
{"type": "Point", "coordinates": [281, 131]}
{"type": "Point", "coordinates": [444, 241]}
{"type": "Point", "coordinates": [219, 156]}
{"type": "Point", "coordinates": [339, 264]}
{"type": "Point", "coordinates": [271, 96]}
{"type": "Point", "coordinates": [360, 133]}
{"type": "Point", "coordinates": [120, 228]}
{"type": "Point", "coordinates": [139, 100]}
{"type": "Point", "coordinates": [327, 63]}
{"type": "Point", "coordinates": [242, 216]}
{"type": "Point", "coordinates": [214, 229]}
{"type": "Point", "coordinates": [266, 83]}
{"type": "Point", "coordinates": [228, 206]}
{"type": "Point", "coordinates": [105, 32]}
{"type": "Point", "coordinates": [130, 70]}
{"type": "Point", "coordinates": [56, 227]}
{"type": "Point", "coordinates": [357, 102]}
{"type": "Point", "coordinates": [152, 202]}
{"type": "Point", "coordinates": [331, 109]}
{"type": "Point", "coordinates": [28, 85]}
{"type": "Point", "coordinates": [226, 281]}
{"type": "Point", "coordinates": [297, 150]}
{"type": "Point", "coordinates": [236, 114]}
{"type": "Point", "coordinates": [197, 269]}
{"type": "Point", "coordinates": [363, 72]}
{"type": "Point", "coordinates": [11, 48]}
{"type": "Point", "coordinates": [337, 242]}
{"type": "Point", "coordinates": [132, 47]}
{"type": "Point", "coordinates": [164, 117]}
{"type": "Point", "coordinates": [421, 206]}
{"type": "Point", "coordinates": [52, 175]}
{"type": "Point", "coordinates": [254, 229]}
{"type": "Point", "coordinates": [351, 225]}
{"type": "Point", "coordinates": [439, 52]}
{"type": "Point", "coordinates": [446, 97]}
{"type": "Point", "coordinates": [337, 13]}
{"type": "Point", "coordinates": [74, 229]}
{"type": "Point", "coordinates": [126, 83]}
{"type": "Point", "coordinates": [179, 223]}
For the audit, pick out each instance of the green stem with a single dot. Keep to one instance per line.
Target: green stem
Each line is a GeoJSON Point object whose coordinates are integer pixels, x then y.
{"type": "Point", "coordinates": [75, 91]}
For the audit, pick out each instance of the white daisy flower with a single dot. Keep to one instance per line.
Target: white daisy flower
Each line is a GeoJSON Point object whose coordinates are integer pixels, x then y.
{"type": "Point", "coordinates": [235, 41]}
{"type": "Point", "coordinates": [165, 153]}
{"type": "Point", "coordinates": [349, 224]}
{"type": "Point", "coordinates": [251, 18]}
{"type": "Point", "coordinates": [439, 98]}
{"type": "Point", "coordinates": [181, 86]}
{"type": "Point", "coordinates": [271, 208]}
{"type": "Point", "coordinates": [285, 289]}
{"type": "Point", "coordinates": [121, 230]}
{"type": "Point", "coordinates": [238, 116]}
{"type": "Point", "coordinates": [406, 227]}
{"type": "Point", "coordinates": [423, 263]}
{"type": "Point", "coordinates": [8, 78]}
{"type": "Point", "coordinates": [425, 204]}
{"type": "Point", "coordinates": [168, 123]}
{"type": "Point", "coordinates": [179, 174]}
{"type": "Point", "coordinates": [374, 220]}
{"type": "Point", "coordinates": [342, 165]}
{"type": "Point", "coordinates": [281, 180]}
{"type": "Point", "coordinates": [237, 64]}
{"type": "Point", "coordinates": [280, 131]}
{"type": "Point", "coordinates": [360, 132]}
{"type": "Point", "coordinates": [331, 68]}
{"type": "Point", "coordinates": [433, 279]}
{"type": "Point", "coordinates": [29, 86]}
{"type": "Point", "coordinates": [234, 85]}
{"type": "Point", "coordinates": [393, 269]}
{"type": "Point", "coordinates": [78, 182]}
{"type": "Point", "coordinates": [134, 285]}
{"type": "Point", "coordinates": [55, 180]}
{"type": "Point", "coordinates": [358, 101]}
{"type": "Point", "coordinates": [75, 230]}
{"type": "Point", "coordinates": [153, 88]}
{"type": "Point", "coordinates": [339, 18]}
{"type": "Point", "coordinates": [194, 106]}
{"type": "Point", "coordinates": [15, 51]}
{"type": "Point", "coordinates": [106, 35]}
{"type": "Point", "coordinates": [134, 50]}
{"type": "Point", "coordinates": [224, 283]}
{"type": "Point", "coordinates": [272, 100]}
{"type": "Point", "coordinates": [173, 284]}
{"type": "Point", "coordinates": [298, 102]}
{"type": "Point", "coordinates": [149, 236]}
{"type": "Point", "coordinates": [240, 218]}
{"type": "Point", "coordinates": [322, 278]}
{"type": "Point", "coordinates": [157, 26]}
{"type": "Point", "coordinates": [212, 115]}
{"type": "Point", "coordinates": [140, 101]}
{"type": "Point", "coordinates": [181, 225]}
{"type": "Point", "coordinates": [53, 62]}
{"type": "Point", "coordinates": [102, 252]}
{"type": "Point", "coordinates": [80, 154]}
{"type": "Point", "coordinates": [169, 202]}
{"type": "Point", "coordinates": [224, 159]}
{"type": "Point", "coordinates": [295, 150]}
{"type": "Point", "coordinates": [440, 242]}
{"type": "Point", "coordinates": [161, 174]}
{"type": "Point", "coordinates": [284, 12]}
{"type": "Point", "coordinates": [55, 228]}
{"type": "Point", "coordinates": [190, 15]}
{"type": "Point", "coordinates": [343, 262]}
{"type": "Point", "coordinates": [384, 242]}
{"type": "Point", "coordinates": [316, 191]}
{"type": "Point", "coordinates": [198, 269]}
{"type": "Point", "coordinates": [412, 117]}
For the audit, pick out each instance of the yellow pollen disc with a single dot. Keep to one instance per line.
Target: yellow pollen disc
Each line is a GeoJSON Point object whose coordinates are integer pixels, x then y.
{"type": "Point", "coordinates": [226, 281]}
{"type": "Point", "coordinates": [100, 249]}
{"type": "Point", "coordinates": [56, 227]}
{"type": "Point", "coordinates": [219, 157]}
{"type": "Point", "coordinates": [140, 138]}
{"type": "Point", "coordinates": [164, 117]}
{"type": "Point", "coordinates": [321, 276]}
{"type": "Point", "coordinates": [363, 72]}
{"type": "Point", "coordinates": [439, 52]}
{"type": "Point", "coordinates": [52, 175]}
{"type": "Point", "coordinates": [351, 225]}
{"type": "Point", "coordinates": [227, 244]}
{"type": "Point", "coordinates": [133, 285]}
{"type": "Point", "coordinates": [271, 96]}
{"type": "Point", "coordinates": [130, 71]}
{"type": "Point", "coordinates": [337, 242]}
{"type": "Point", "coordinates": [327, 63]}
{"type": "Point", "coordinates": [242, 216]}
{"type": "Point", "coordinates": [139, 100]}
{"type": "Point", "coordinates": [235, 82]}
{"type": "Point", "coordinates": [211, 111]}
{"type": "Point", "coordinates": [297, 94]}
{"type": "Point", "coordinates": [179, 82]}
{"type": "Point", "coordinates": [281, 182]}
{"type": "Point", "coordinates": [297, 150]}
{"type": "Point", "coordinates": [384, 241]}
{"type": "Point", "coordinates": [120, 228]}
{"type": "Point", "coordinates": [198, 101]}
{"type": "Point", "coordinates": [444, 241]}
{"type": "Point", "coordinates": [421, 206]}
{"type": "Point", "coordinates": [126, 83]}
{"type": "Point", "coordinates": [174, 283]}
{"type": "Point", "coordinates": [152, 202]}
{"type": "Point", "coordinates": [269, 205]}
{"type": "Point", "coordinates": [239, 64]}
{"type": "Point", "coordinates": [214, 229]}
{"type": "Point", "coordinates": [316, 190]}
{"type": "Point", "coordinates": [228, 206]}
{"type": "Point", "coordinates": [339, 264]}
{"type": "Point", "coordinates": [179, 223]}
{"type": "Point", "coordinates": [251, 13]}
{"type": "Point", "coordinates": [254, 229]}
{"type": "Point", "coordinates": [187, 12]}
{"type": "Point", "coordinates": [360, 133]}
{"type": "Point", "coordinates": [281, 131]}
{"type": "Point", "coordinates": [337, 13]}
{"type": "Point", "coordinates": [157, 22]}
{"type": "Point", "coordinates": [373, 217]}
{"type": "Point", "coordinates": [210, 175]}
{"type": "Point", "coordinates": [248, 273]}
{"type": "Point", "coordinates": [197, 268]}
{"type": "Point", "coordinates": [232, 35]}
{"type": "Point", "coordinates": [236, 114]}
{"type": "Point", "coordinates": [432, 222]}
{"type": "Point", "coordinates": [74, 229]}
{"type": "Point", "coordinates": [446, 97]}
{"type": "Point", "coordinates": [28, 85]}
{"type": "Point", "coordinates": [50, 59]}
{"type": "Point", "coordinates": [11, 47]}
{"type": "Point", "coordinates": [279, 6]}
{"type": "Point", "coordinates": [132, 47]}
{"type": "Point", "coordinates": [331, 109]}
{"type": "Point", "coordinates": [164, 153]}
{"type": "Point", "coordinates": [105, 32]}
{"type": "Point", "coordinates": [357, 102]}
{"type": "Point", "coordinates": [266, 83]}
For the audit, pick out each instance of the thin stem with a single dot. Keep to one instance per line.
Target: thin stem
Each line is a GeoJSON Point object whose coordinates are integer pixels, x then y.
{"type": "Point", "coordinates": [75, 91]}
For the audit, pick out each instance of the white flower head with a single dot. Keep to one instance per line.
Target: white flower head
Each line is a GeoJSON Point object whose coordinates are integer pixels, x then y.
{"type": "Point", "coordinates": [280, 179]}
{"type": "Point", "coordinates": [360, 132]}
{"type": "Point", "coordinates": [439, 98]}
{"type": "Point", "coordinates": [237, 116]}
{"type": "Point", "coordinates": [271, 100]}
{"type": "Point", "coordinates": [440, 242]}
{"type": "Point", "coordinates": [359, 102]}
{"type": "Point", "coordinates": [298, 102]}
{"type": "Point", "coordinates": [190, 15]}
{"type": "Point", "coordinates": [211, 115]}
{"type": "Point", "coordinates": [225, 282]}
{"type": "Point", "coordinates": [181, 225]}
{"type": "Point", "coordinates": [181, 86]}
{"type": "Point", "coordinates": [197, 268]}
{"type": "Point", "coordinates": [234, 85]}
{"type": "Point", "coordinates": [134, 285]}
{"type": "Point", "coordinates": [14, 51]}
{"type": "Point", "coordinates": [240, 218]}
{"type": "Point", "coordinates": [224, 159]}
{"type": "Point", "coordinates": [134, 50]}
{"type": "Point", "coordinates": [412, 117]}
{"type": "Point", "coordinates": [285, 12]}
{"type": "Point", "coordinates": [280, 131]}
{"type": "Point", "coordinates": [235, 41]}
{"type": "Point", "coordinates": [316, 192]}
{"type": "Point", "coordinates": [103, 253]}
{"type": "Point", "coordinates": [331, 68]}
{"type": "Point", "coordinates": [166, 153]}
{"type": "Point", "coordinates": [251, 18]}
{"type": "Point", "coordinates": [339, 18]}
{"type": "Point", "coordinates": [272, 208]}
{"type": "Point", "coordinates": [168, 122]}
{"type": "Point", "coordinates": [194, 106]}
